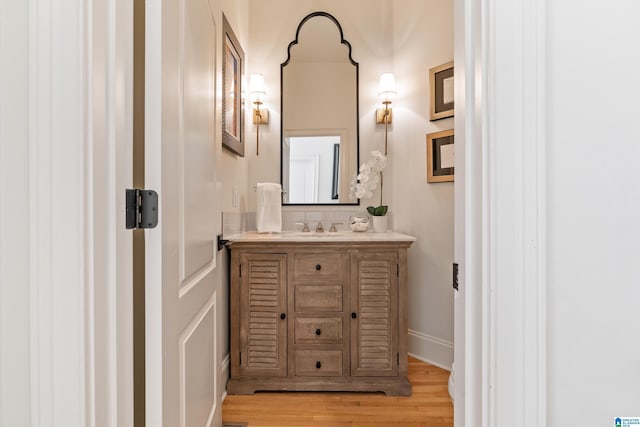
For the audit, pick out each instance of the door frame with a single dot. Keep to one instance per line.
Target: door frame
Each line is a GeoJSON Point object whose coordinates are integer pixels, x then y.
{"type": "Point", "coordinates": [500, 226]}
{"type": "Point", "coordinates": [80, 130]}
{"type": "Point", "coordinates": [65, 216]}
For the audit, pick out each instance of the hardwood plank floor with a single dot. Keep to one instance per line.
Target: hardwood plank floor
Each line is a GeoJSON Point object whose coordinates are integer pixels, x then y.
{"type": "Point", "coordinates": [428, 406]}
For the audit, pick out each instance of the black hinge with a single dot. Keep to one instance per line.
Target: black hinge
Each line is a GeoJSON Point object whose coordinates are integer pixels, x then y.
{"type": "Point", "coordinates": [240, 268]}
{"type": "Point", "coordinates": [141, 208]}
{"type": "Point", "coordinates": [398, 358]}
{"type": "Point", "coordinates": [397, 270]}
{"type": "Point", "coordinates": [455, 276]}
{"type": "Point", "coordinates": [240, 358]}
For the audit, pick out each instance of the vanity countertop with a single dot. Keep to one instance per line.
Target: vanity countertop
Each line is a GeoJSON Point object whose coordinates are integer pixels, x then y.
{"type": "Point", "coordinates": [327, 236]}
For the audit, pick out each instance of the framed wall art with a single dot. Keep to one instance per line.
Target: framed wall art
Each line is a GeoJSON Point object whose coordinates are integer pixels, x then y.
{"type": "Point", "coordinates": [232, 108]}
{"type": "Point", "coordinates": [441, 91]}
{"type": "Point", "coordinates": [440, 156]}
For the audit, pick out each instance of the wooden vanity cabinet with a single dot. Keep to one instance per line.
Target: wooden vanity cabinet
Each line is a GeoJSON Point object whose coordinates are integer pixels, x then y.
{"type": "Point", "coordinates": [318, 316]}
{"type": "Point", "coordinates": [262, 318]}
{"type": "Point", "coordinates": [375, 326]}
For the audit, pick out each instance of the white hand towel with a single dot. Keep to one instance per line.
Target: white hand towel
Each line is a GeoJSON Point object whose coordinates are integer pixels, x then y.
{"type": "Point", "coordinates": [269, 207]}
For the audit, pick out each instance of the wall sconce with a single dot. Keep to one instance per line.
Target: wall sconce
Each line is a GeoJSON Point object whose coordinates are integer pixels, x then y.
{"type": "Point", "coordinates": [260, 115]}
{"type": "Point", "coordinates": [386, 92]}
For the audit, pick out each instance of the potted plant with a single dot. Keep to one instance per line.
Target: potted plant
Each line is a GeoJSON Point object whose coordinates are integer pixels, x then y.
{"type": "Point", "coordinates": [364, 185]}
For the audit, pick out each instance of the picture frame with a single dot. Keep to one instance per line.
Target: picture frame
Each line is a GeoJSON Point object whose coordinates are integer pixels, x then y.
{"type": "Point", "coordinates": [441, 91]}
{"type": "Point", "coordinates": [440, 156]}
{"type": "Point", "coordinates": [232, 102]}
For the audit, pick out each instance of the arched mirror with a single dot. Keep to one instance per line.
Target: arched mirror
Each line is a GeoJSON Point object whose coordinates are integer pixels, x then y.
{"type": "Point", "coordinates": [319, 105]}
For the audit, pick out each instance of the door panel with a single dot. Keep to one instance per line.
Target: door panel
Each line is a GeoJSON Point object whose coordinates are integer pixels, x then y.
{"type": "Point", "coordinates": [196, 371]}
{"type": "Point", "coordinates": [374, 338]}
{"type": "Point", "coordinates": [263, 299]}
{"type": "Point", "coordinates": [197, 137]}
{"type": "Point", "coordinates": [181, 356]}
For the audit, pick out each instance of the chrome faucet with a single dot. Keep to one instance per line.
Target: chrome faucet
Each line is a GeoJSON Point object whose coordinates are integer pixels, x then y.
{"type": "Point", "coordinates": [333, 228]}
{"type": "Point", "coordinates": [319, 227]}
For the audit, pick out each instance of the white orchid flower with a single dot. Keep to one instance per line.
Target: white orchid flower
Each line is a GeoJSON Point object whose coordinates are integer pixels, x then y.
{"type": "Point", "coordinates": [366, 181]}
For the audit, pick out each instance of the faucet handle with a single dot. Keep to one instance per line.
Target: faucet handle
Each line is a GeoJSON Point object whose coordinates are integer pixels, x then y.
{"type": "Point", "coordinates": [319, 227]}
{"type": "Point", "coordinates": [333, 228]}
{"type": "Point", "coordinates": [305, 226]}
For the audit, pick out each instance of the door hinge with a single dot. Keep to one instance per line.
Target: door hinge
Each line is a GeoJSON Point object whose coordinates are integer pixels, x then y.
{"type": "Point", "coordinates": [240, 358]}
{"type": "Point", "coordinates": [455, 276]}
{"type": "Point", "coordinates": [141, 208]}
{"type": "Point", "coordinates": [240, 270]}
{"type": "Point", "coordinates": [397, 270]}
{"type": "Point", "coordinates": [398, 358]}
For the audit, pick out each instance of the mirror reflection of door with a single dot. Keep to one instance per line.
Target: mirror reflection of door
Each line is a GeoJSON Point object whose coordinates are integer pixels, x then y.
{"type": "Point", "coordinates": [312, 169]}
{"type": "Point", "coordinates": [304, 185]}
{"type": "Point", "coordinates": [319, 114]}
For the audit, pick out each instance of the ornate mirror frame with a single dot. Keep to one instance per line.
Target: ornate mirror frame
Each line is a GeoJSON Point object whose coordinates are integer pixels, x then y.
{"type": "Point", "coordinates": [357, 106]}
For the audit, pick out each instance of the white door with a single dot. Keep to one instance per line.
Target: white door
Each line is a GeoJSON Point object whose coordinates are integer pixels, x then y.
{"type": "Point", "coordinates": [303, 179]}
{"type": "Point", "coordinates": [180, 255]}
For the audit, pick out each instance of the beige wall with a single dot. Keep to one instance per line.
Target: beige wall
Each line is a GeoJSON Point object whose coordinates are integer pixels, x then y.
{"type": "Point", "coordinates": [423, 39]}
{"type": "Point", "coordinates": [231, 170]}
{"type": "Point", "coordinates": [407, 37]}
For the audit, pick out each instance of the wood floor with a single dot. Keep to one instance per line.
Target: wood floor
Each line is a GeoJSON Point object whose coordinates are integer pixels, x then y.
{"type": "Point", "coordinates": [428, 406]}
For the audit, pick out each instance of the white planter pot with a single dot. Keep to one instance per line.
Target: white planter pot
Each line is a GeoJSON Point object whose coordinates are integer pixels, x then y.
{"type": "Point", "coordinates": [380, 224]}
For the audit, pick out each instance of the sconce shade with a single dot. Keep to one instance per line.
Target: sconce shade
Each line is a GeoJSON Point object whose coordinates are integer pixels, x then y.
{"type": "Point", "coordinates": [256, 85]}
{"type": "Point", "coordinates": [387, 89]}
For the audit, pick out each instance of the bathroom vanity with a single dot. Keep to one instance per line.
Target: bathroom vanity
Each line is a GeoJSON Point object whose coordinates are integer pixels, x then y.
{"type": "Point", "coordinates": [319, 312]}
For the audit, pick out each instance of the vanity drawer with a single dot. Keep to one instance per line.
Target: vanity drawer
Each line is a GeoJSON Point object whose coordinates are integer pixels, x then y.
{"type": "Point", "coordinates": [318, 363]}
{"type": "Point", "coordinates": [318, 330]}
{"type": "Point", "coordinates": [322, 266]}
{"type": "Point", "coordinates": [318, 298]}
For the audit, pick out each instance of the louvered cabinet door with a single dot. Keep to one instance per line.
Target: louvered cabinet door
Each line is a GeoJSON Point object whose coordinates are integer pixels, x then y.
{"type": "Point", "coordinates": [374, 318]}
{"type": "Point", "coordinates": [263, 317]}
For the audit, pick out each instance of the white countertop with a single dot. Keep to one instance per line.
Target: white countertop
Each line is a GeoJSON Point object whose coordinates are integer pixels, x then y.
{"type": "Point", "coordinates": [327, 236]}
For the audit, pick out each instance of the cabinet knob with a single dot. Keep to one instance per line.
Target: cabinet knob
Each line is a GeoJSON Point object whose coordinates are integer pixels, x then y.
{"type": "Point", "coordinates": [318, 267]}
{"type": "Point", "coordinates": [318, 365]}
{"type": "Point", "coordinates": [318, 331]}
{"type": "Point", "coordinates": [353, 315]}
{"type": "Point", "coordinates": [283, 316]}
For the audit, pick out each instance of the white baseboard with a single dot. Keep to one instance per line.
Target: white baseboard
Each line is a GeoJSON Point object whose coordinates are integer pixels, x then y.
{"type": "Point", "coordinates": [431, 349]}
{"type": "Point", "coordinates": [225, 375]}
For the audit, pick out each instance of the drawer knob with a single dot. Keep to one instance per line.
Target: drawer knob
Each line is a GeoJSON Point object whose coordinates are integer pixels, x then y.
{"type": "Point", "coordinates": [318, 365]}
{"type": "Point", "coordinates": [318, 267]}
{"type": "Point", "coordinates": [283, 316]}
{"type": "Point", "coordinates": [353, 315]}
{"type": "Point", "coordinates": [318, 331]}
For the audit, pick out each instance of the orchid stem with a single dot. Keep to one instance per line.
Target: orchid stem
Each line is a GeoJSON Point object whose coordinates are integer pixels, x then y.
{"type": "Point", "coordinates": [380, 188]}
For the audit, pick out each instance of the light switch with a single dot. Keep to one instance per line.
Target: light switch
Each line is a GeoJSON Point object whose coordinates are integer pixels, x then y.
{"type": "Point", "coordinates": [234, 197]}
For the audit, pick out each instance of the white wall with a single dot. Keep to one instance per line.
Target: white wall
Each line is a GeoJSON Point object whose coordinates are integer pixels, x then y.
{"type": "Point", "coordinates": [407, 37]}
{"type": "Point", "coordinates": [593, 212]}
